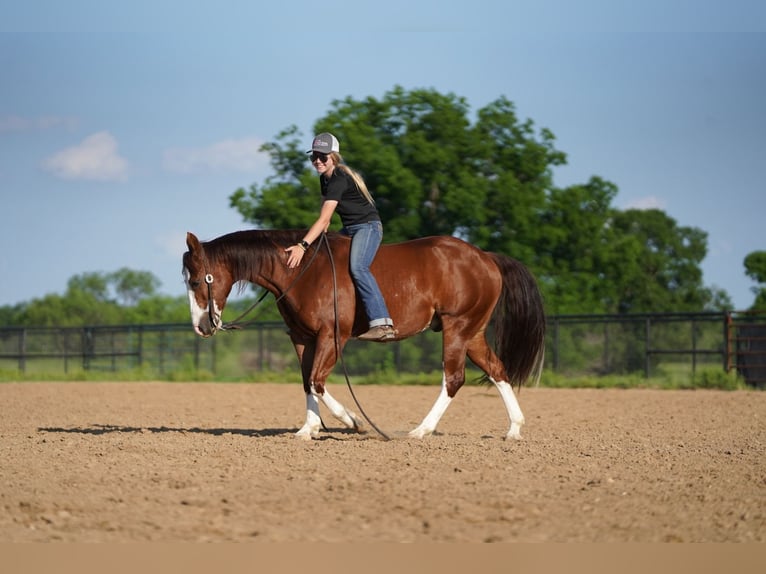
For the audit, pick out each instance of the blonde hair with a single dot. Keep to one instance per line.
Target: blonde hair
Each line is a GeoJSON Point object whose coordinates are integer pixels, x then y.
{"type": "Point", "coordinates": [358, 180]}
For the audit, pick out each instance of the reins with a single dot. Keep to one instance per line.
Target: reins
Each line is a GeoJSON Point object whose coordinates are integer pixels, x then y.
{"type": "Point", "coordinates": [337, 342]}
{"type": "Point", "coordinates": [239, 324]}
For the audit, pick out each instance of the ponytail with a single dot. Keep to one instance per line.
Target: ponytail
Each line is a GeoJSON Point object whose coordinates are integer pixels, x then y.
{"type": "Point", "coordinates": [358, 180]}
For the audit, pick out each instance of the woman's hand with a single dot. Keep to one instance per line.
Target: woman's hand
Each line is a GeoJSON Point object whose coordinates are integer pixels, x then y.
{"type": "Point", "coordinates": [294, 255]}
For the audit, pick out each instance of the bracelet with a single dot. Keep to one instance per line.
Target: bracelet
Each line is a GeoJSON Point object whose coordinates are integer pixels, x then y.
{"type": "Point", "coordinates": [304, 244]}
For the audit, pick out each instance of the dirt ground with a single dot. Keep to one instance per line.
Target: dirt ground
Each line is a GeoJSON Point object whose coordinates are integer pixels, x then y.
{"type": "Point", "coordinates": [125, 462]}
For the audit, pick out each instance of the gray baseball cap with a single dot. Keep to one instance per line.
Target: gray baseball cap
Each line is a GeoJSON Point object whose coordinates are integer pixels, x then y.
{"type": "Point", "coordinates": [325, 143]}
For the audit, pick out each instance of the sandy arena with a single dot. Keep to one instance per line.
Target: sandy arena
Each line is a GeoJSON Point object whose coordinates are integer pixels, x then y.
{"type": "Point", "coordinates": [126, 462]}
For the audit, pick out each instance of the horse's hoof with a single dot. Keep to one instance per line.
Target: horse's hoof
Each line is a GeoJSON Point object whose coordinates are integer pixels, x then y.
{"type": "Point", "coordinates": [306, 435]}
{"type": "Point", "coordinates": [357, 424]}
{"type": "Point", "coordinates": [418, 433]}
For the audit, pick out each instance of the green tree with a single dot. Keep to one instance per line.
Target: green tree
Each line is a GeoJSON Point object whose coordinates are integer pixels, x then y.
{"type": "Point", "coordinates": [75, 308]}
{"type": "Point", "coordinates": [430, 171]}
{"type": "Point", "coordinates": [755, 269]}
{"type": "Point", "coordinates": [665, 273]}
{"type": "Point", "coordinates": [132, 286]}
{"type": "Point", "coordinates": [573, 247]}
{"type": "Point", "coordinates": [435, 172]}
{"type": "Point", "coordinates": [94, 284]}
{"type": "Point", "coordinates": [94, 298]}
{"type": "Point", "coordinates": [157, 309]}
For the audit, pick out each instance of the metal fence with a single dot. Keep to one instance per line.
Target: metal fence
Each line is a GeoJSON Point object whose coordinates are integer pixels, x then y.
{"type": "Point", "coordinates": [576, 345]}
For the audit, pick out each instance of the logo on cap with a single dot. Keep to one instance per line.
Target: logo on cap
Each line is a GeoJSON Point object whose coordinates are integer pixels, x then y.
{"type": "Point", "coordinates": [325, 143]}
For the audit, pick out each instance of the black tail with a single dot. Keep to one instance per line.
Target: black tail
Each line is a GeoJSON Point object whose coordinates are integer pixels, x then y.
{"type": "Point", "coordinates": [519, 322]}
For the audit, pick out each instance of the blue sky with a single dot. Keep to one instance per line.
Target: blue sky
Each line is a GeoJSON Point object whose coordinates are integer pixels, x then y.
{"type": "Point", "coordinates": [125, 124]}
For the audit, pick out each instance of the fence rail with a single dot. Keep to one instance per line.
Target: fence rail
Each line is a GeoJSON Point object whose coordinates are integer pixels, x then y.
{"type": "Point", "coordinates": [575, 345]}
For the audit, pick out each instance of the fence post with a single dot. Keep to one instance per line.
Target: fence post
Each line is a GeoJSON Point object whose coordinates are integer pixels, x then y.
{"type": "Point", "coordinates": [647, 331]}
{"type": "Point", "coordinates": [114, 349]}
{"type": "Point", "coordinates": [694, 348]}
{"type": "Point", "coordinates": [140, 346]}
{"type": "Point", "coordinates": [66, 350]}
{"type": "Point", "coordinates": [727, 321]}
{"type": "Point", "coordinates": [161, 351]}
{"type": "Point", "coordinates": [87, 347]}
{"type": "Point", "coordinates": [261, 346]}
{"type": "Point", "coordinates": [22, 350]}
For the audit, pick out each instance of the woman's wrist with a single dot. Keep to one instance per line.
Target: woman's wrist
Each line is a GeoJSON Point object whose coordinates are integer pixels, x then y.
{"type": "Point", "coordinates": [304, 244]}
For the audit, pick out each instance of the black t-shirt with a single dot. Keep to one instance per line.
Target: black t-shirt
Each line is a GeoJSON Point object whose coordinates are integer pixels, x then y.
{"type": "Point", "coordinates": [353, 208]}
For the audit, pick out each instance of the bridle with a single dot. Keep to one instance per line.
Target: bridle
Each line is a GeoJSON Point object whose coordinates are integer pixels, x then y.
{"type": "Point", "coordinates": [210, 301]}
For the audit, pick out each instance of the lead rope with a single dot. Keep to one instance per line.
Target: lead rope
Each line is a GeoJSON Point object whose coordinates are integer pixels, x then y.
{"type": "Point", "coordinates": [337, 341]}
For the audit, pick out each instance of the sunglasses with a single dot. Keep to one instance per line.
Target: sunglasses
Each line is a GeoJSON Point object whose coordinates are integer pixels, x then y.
{"type": "Point", "coordinates": [319, 156]}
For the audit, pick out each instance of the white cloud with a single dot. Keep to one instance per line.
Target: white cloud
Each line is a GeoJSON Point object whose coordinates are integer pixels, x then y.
{"type": "Point", "coordinates": [239, 155]}
{"type": "Point", "coordinates": [95, 158]}
{"type": "Point", "coordinates": [21, 124]}
{"type": "Point", "coordinates": [648, 202]}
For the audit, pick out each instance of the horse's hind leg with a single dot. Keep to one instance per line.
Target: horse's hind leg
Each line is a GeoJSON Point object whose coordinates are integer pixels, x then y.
{"type": "Point", "coordinates": [484, 358]}
{"type": "Point", "coordinates": [452, 379]}
{"type": "Point", "coordinates": [433, 417]}
{"type": "Point", "coordinates": [513, 408]}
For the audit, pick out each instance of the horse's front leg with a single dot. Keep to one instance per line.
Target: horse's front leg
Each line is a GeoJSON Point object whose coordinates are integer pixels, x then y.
{"type": "Point", "coordinates": [306, 351]}
{"type": "Point", "coordinates": [316, 392]}
{"type": "Point", "coordinates": [313, 423]}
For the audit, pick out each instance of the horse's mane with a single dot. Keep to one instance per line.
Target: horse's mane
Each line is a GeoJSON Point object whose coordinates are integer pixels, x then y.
{"type": "Point", "coordinates": [246, 251]}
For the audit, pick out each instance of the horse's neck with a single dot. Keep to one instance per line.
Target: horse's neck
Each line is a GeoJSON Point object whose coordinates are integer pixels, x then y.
{"type": "Point", "coordinates": [270, 274]}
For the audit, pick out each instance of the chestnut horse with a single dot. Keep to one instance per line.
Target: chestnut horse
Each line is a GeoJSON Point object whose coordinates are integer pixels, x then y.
{"type": "Point", "coordinates": [440, 283]}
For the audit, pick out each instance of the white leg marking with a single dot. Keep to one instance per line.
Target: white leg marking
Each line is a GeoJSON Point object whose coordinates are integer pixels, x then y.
{"type": "Point", "coordinates": [432, 419]}
{"type": "Point", "coordinates": [340, 412]}
{"type": "Point", "coordinates": [310, 428]}
{"type": "Point", "coordinates": [513, 408]}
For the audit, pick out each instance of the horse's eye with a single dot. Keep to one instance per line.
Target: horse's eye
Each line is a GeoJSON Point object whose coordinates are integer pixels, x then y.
{"type": "Point", "coordinates": [194, 284]}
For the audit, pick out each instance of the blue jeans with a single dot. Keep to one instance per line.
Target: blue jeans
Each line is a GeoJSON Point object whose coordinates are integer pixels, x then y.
{"type": "Point", "coordinates": [365, 240]}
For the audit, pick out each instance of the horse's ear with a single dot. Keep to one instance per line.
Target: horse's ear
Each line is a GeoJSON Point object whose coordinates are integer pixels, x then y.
{"type": "Point", "coordinates": [192, 242]}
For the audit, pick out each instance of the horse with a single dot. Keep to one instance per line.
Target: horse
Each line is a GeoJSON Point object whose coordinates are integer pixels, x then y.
{"type": "Point", "coordinates": [440, 282]}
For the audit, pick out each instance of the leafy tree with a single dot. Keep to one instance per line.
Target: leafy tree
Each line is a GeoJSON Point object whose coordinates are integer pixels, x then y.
{"type": "Point", "coordinates": [665, 274]}
{"type": "Point", "coordinates": [75, 308]}
{"type": "Point", "coordinates": [755, 266]}
{"type": "Point", "coordinates": [755, 269]}
{"type": "Point", "coordinates": [434, 172]}
{"type": "Point", "coordinates": [574, 247]}
{"type": "Point", "coordinates": [132, 286]}
{"type": "Point", "coordinates": [157, 309]}
{"type": "Point", "coordinates": [92, 298]}
{"type": "Point", "coordinates": [94, 284]}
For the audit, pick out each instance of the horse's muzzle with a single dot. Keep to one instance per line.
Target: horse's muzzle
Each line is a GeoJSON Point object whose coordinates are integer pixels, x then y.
{"type": "Point", "coordinates": [207, 328]}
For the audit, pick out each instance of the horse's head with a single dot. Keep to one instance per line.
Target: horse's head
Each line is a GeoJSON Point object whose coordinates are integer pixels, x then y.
{"type": "Point", "coordinates": [208, 283]}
